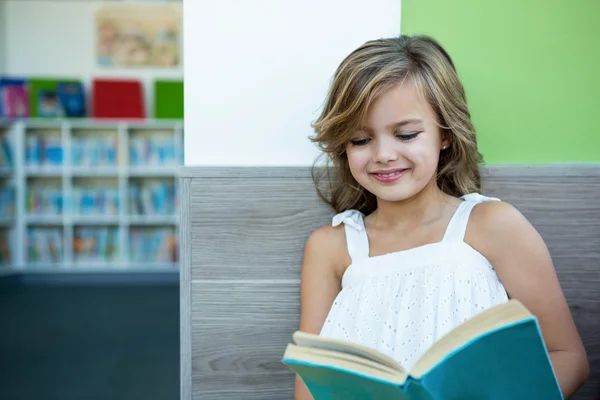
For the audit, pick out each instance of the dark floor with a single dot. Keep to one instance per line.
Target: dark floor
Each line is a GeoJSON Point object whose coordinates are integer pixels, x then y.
{"type": "Point", "coordinates": [111, 342]}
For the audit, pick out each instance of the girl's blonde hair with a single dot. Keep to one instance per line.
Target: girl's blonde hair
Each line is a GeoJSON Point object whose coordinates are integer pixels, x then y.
{"type": "Point", "coordinates": [370, 71]}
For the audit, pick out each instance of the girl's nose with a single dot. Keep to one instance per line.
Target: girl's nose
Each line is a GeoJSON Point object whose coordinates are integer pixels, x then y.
{"type": "Point", "coordinates": [384, 152]}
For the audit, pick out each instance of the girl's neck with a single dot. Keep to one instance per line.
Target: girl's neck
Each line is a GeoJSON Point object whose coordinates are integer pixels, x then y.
{"type": "Point", "coordinates": [426, 206]}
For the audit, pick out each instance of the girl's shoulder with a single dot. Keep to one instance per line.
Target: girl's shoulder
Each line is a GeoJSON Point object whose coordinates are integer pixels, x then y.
{"type": "Point", "coordinates": [328, 243]}
{"type": "Point", "coordinates": [327, 234]}
{"type": "Point", "coordinates": [493, 225]}
{"type": "Point", "coordinates": [493, 215]}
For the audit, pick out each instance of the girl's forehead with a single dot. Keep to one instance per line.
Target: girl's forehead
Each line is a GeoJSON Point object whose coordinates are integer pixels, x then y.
{"type": "Point", "coordinates": [401, 103]}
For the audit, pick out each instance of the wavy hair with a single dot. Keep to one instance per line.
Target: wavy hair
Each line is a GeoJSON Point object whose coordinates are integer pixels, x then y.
{"type": "Point", "coordinates": [368, 72]}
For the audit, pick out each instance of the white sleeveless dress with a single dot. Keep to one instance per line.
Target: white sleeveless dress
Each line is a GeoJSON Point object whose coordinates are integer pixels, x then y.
{"type": "Point", "coordinates": [401, 303]}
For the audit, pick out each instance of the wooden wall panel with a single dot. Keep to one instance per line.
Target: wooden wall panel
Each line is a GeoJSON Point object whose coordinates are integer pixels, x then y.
{"type": "Point", "coordinates": [243, 233]}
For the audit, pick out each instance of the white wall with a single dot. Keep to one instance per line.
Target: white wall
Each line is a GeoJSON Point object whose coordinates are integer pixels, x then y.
{"type": "Point", "coordinates": [257, 72]}
{"type": "Point", "coordinates": [2, 37]}
{"type": "Point", "coordinates": [56, 39]}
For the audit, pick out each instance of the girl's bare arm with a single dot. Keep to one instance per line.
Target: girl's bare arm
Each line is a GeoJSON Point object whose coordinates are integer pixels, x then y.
{"type": "Point", "coordinates": [523, 264]}
{"type": "Point", "coordinates": [320, 284]}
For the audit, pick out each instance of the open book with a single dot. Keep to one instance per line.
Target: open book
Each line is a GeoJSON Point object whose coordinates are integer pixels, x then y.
{"type": "Point", "coordinates": [498, 354]}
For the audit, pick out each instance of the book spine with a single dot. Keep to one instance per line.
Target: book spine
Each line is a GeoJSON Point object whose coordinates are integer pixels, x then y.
{"type": "Point", "coordinates": [153, 197]}
{"type": "Point", "coordinates": [44, 245]}
{"type": "Point", "coordinates": [94, 152]}
{"type": "Point", "coordinates": [7, 201]}
{"type": "Point", "coordinates": [96, 200]}
{"type": "Point", "coordinates": [153, 245]}
{"type": "Point", "coordinates": [6, 153]}
{"type": "Point", "coordinates": [96, 244]}
{"type": "Point", "coordinates": [45, 201]}
{"type": "Point", "coordinates": [5, 240]}
{"type": "Point", "coordinates": [152, 151]}
{"type": "Point", "coordinates": [43, 151]}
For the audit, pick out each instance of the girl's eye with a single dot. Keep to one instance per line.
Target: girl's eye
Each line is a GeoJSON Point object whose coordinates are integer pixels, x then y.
{"type": "Point", "coordinates": [359, 142]}
{"type": "Point", "coordinates": [407, 137]}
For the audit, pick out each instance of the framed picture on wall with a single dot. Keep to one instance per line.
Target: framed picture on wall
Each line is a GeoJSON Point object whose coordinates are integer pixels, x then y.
{"type": "Point", "coordinates": [138, 35]}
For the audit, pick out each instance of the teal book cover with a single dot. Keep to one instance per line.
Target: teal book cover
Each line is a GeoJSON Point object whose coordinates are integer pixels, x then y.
{"type": "Point", "coordinates": [498, 355]}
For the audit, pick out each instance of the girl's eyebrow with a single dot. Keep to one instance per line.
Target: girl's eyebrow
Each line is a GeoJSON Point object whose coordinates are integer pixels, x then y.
{"type": "Point", "coordinates": [395, 125]}
{"type": "Point", "coordinates": [405, 122]}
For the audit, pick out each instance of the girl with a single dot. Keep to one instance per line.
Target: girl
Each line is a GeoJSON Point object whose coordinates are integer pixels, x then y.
{"type": "Point", "coordinates": [414, 250]}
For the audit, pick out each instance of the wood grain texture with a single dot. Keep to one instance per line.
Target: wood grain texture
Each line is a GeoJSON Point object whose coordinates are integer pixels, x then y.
{"type": "Point", "coordinates": [240, 331]}
{"type": "Point", "coordinates": [239, 302]}
{"type": "Point", "coordinates": [246, 231]}
{"type": "Point", "coordinates": [216, 172]}
{"type": "Point", "coordinates": [225, 349]}
{"type": "Point", "coordinates": [185, 303]}
{"type": "Point", "coordinates": [246, 386]}
{"type": "Point", "coordinates": [259, 226]}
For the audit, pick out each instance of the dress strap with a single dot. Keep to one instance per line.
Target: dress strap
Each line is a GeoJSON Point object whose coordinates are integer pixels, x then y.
{"type": "Point", "coordinates": [356, 234]}
{"type": "Point", "coordinates": [458, 223]}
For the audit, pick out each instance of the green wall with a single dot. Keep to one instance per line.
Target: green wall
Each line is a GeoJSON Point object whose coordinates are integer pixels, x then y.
{"type": "Point", "coordinates": [531, 69]}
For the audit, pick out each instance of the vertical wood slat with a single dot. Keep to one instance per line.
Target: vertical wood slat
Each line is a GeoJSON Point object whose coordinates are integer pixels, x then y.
{"type": "Point", "coordinates": [185, 290]}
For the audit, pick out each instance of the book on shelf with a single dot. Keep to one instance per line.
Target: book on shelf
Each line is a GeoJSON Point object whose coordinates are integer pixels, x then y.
{"type": "Point", "coordinates": [44, 245]}
{"type": "Point", "coordinates": [5, 246]}
{"type": "Point", "coordinates": [60, 99]}
{"type": "Point", "coordinates": [6, 153]}
{"type": "Point", "coordinates": [51, 88]}
{"type": "Point", "coordinates": [96, 244]}
{"type": "Point", "coordinates": [153, 245]}
{"type": "Point", "coordinates": [499, 354]}
{"type": "Point", "coordinates": [101, 200]}
{"type": "Point", "coordinates": [43, 151]}
{"type": "Point", "coordinates": [152, 151]}
{"type": "Point", "coordinates": [94, 151]}
{"type": "Point", "coordinates": [14, 98]}
{"type": "Point", "coordinates": [117, 98]}
{"type": "Point", "coordinates": [152, 197]}
{"type": "Point", "coordinates": [71, 97]}
{"type": "Point", "coordinates": [48, 104]}
{"type": "Point", "coordinates": [44, 200]}
{"type": "Point", "coordinates": [168, 99]}
{"type": "Point", "coordinates": [7, 201]}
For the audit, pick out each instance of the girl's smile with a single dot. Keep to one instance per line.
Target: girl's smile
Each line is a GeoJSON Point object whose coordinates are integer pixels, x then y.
{"type": "Point", "coordinates": [390, 175]}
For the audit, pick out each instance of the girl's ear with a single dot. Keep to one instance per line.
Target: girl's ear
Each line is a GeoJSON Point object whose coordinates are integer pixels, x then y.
{"type": "Point", "coordinates": [446, 140]}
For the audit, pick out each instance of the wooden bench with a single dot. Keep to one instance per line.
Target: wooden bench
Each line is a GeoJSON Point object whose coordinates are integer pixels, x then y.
{"type": "Point", "coordinates": [243, 232]}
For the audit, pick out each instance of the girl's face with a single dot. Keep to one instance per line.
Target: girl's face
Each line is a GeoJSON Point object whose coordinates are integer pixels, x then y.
{"type": "Point", "coordinates": [395, 156]}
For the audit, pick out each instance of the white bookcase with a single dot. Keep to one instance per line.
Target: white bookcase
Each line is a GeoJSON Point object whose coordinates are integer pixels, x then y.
{"type": "Point", "coordinates": [92, 195]}
{"type": "Point", "coordinates": [7, 201]}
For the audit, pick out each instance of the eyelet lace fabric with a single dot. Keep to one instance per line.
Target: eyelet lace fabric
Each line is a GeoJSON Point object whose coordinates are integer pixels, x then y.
{"type": "Point", "coordinates": [401, 303]}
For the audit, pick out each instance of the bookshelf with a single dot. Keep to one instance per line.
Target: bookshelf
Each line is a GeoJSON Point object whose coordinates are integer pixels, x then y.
{"type": "Point", "coordinates": [7, 200]}
{"type": "Point", "coordinates": [92, 195]}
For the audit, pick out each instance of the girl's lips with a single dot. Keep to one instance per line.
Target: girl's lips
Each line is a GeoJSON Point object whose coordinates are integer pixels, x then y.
{"type": "Point", "coordinates": [388, 176]}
